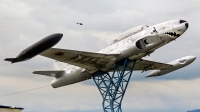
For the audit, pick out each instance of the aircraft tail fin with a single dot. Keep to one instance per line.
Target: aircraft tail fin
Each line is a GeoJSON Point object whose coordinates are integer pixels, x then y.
{"type": "Point", "coordinates": [10, 59]}
{"type": "Point", "coordinates": [51, 73]}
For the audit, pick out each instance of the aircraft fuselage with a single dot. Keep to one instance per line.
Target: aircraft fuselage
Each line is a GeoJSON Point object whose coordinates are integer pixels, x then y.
{"type": "Point", "coordinates": [135, 43]}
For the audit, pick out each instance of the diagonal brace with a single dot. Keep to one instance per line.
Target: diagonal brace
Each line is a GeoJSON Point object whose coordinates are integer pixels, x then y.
{"type": "Point", "coordinates": [113, 87]}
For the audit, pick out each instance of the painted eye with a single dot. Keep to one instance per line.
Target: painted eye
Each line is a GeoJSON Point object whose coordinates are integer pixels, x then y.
{"type": "Point", "coordinates": [179, 30]}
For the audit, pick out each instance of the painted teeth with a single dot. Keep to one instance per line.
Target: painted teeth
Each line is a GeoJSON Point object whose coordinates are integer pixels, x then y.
{"type": "Point", "coordinates": [172, 34]}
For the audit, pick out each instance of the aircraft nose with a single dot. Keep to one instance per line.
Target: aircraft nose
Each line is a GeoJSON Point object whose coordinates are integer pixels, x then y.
{"type": "Point", "coordinates": [191, 58]}
{"type": "Point", "coordinates": [186, 25]}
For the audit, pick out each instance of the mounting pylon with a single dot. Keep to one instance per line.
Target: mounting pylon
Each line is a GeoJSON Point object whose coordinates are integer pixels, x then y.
{"type": "Point", "coordinates": [113, 87]}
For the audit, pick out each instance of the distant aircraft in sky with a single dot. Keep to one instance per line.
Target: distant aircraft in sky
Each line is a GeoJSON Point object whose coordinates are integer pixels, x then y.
{"type": "Point", "coordinates": [73, 66]}
{"type": "Point", "coordinates": [80, 23]}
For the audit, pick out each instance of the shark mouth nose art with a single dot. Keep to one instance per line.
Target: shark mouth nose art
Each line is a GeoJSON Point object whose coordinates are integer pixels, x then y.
{"type": "Point", "coordinates": [173, 34]}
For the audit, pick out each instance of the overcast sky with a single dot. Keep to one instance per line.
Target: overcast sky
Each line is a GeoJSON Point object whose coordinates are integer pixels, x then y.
{"type": "Point", "coordinates": [23, 22]}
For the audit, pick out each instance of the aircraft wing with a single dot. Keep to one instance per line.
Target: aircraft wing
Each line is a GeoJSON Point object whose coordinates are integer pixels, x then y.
{"type": "Point", "coordinates": [94, 61]}
{"type": "Point", "coordinates": [87, 60]}
{"type": "Point", "coordinates": [145, 65]}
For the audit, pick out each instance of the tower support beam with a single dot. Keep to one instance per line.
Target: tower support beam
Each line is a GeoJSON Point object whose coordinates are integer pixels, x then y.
{"type": "Point", "coordinates": [112, 86]}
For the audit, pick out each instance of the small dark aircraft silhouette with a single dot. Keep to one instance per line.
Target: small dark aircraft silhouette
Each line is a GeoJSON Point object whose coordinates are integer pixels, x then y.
{"type": "Point", "coordinates": [80, 23]}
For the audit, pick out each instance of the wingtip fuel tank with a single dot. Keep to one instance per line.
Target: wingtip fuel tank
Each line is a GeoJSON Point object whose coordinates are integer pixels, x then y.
{"type": "Point", "coordinates": [36, 48]}
{"type": "Point", "coordinates": [177, 64]}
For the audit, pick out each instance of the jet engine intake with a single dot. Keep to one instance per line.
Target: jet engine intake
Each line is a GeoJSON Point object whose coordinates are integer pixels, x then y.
{"type": "Point", "coordinates": [147, 41]}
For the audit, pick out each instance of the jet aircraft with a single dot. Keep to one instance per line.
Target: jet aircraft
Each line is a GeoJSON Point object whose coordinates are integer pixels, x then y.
{"type": "Point", "coordinates": [73, 66]}
{"type": "Point", "coordinates": [79, 23]}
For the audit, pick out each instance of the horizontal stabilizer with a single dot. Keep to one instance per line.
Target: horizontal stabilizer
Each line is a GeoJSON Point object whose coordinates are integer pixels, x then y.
{"type": "Point", "coordinates": [10, 59]}
{"type": "Point", "coordinates": [51, 73]}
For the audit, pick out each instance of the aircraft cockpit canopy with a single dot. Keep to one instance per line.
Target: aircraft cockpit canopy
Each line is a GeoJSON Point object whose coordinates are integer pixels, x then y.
{"type": "Point", "coordinates": [130, 32]}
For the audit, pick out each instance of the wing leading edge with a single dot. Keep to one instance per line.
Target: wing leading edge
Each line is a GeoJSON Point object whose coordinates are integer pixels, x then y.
{"type": "Point", "coordinates": [95, 61]}
{"type": "Point", "coordinates": [87, 60]}
{"type": "Point", "coordinates": [146, 65]}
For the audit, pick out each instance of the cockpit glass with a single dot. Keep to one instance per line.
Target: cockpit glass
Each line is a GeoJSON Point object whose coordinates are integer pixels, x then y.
{"type": "Point", "coordinates": [182, 60]}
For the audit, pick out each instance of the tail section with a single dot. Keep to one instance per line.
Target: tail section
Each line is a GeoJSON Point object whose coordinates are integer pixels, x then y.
{"type": "Point", "coordinates": [12, 60]}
